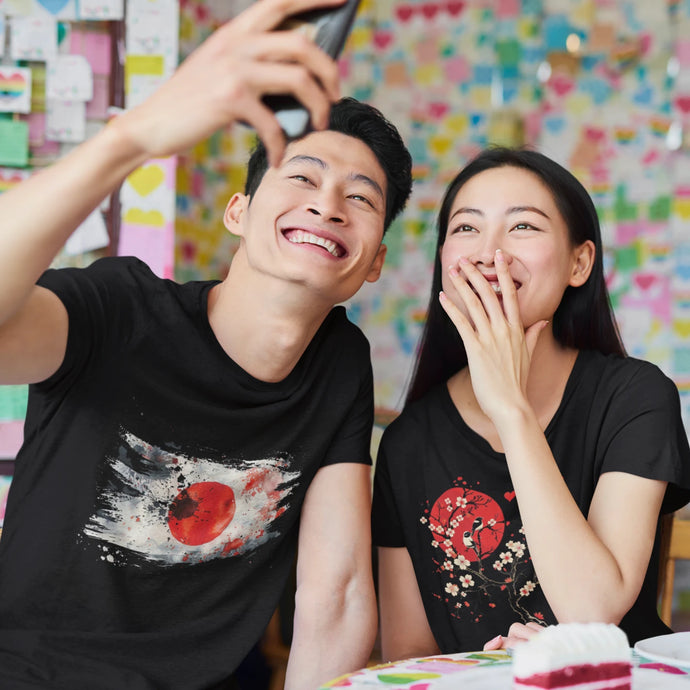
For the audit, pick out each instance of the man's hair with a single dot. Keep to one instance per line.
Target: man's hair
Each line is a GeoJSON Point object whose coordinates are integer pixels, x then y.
{"type": "Point", "coordinates": [366, 123]}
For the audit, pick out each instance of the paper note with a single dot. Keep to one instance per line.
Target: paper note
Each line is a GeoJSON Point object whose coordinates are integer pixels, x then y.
{"type": "Point", "coordinates": [143, 75]}
{"type": "Point", "coordinates": [60, 9]}
{"type": "Point", "coordinates": [33, 38]}
{"type": "Point", "coordinates": [13, 400]}
{"type": "Point", "coordinates": [95, 46]}
{"type": "Point", "coordinates": [90, 235]}
{"type": "Point", "coordinates": [14, 143]}
{"type": "Point", "coordinates": [5, 482]}
{"type": "Point", "coordinates": [14, 8]}
{"type": "Point", "coordinates": [101, 9]}
{"type": "Point", "coordinates": [97, 107]}
{"type": "Point", "coordinates": [9, 177]}
{"type": "Point", "coordinates": [153, 245]}
{"type": "Point", "coordinates": [153, 29]}
{"type": "Point", "coordinates": [15, 89]}
{"type": "Point", "coordinates": [69, 78]}
{"type": "Point", "coordinates": [66, 121]}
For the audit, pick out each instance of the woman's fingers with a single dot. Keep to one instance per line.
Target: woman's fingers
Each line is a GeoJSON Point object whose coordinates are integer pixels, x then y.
{"type": "Point", "coordinates": [485, 294]}
{"type": "Point", "coordinates": [508, 290]}
{"type": "Point", "coordinates": [460, 321]}
{"type": "Point", "coordinates": [493, 644]}
{"type": "Point", "coordinates": [521, 632]}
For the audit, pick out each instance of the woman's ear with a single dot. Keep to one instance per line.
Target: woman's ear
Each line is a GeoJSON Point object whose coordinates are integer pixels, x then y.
{"type": "Point", "coordinates": [233, 213]}
{"type": "Point", "coordinates": [583, 263]}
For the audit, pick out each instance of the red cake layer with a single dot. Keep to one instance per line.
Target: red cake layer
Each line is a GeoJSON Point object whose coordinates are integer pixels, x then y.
{"type": "Point", "coordinates": [581, 673]}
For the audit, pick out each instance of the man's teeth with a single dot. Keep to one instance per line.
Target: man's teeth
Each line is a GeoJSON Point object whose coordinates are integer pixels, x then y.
{"type": "Point", "coordinates": [303, 237]}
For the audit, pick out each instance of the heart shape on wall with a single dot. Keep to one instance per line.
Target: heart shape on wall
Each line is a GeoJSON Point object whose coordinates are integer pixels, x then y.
{"type": "Point", "coordinates": [146, 179]}
{"type": "Point", "coordinates": [53, 6]}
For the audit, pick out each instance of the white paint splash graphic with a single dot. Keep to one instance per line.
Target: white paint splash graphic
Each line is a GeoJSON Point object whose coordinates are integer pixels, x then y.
{"type": "Point", "coordinates": [171, 508]}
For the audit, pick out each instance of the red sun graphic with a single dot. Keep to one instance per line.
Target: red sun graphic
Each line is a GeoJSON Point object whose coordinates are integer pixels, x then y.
{"type": "Point", "coordinates": [201, 512]}
{"type": "Point", "coordinates": [467, 523]}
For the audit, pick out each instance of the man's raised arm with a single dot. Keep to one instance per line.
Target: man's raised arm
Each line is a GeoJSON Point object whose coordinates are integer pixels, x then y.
{"type": "Point", "coordinates": [221, 82]}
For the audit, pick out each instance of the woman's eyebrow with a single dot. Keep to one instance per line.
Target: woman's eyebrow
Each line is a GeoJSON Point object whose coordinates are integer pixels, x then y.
{"type": "Point", "coordinates": [512, 209]}
{"type": "Point", "coordinates": [522, 209]}
{"type": "Point", "coordinates": [467, 209]}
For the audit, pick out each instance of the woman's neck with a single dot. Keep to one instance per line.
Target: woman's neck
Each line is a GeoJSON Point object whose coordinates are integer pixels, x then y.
{"type": "Point", "coordinates": [550, 370]}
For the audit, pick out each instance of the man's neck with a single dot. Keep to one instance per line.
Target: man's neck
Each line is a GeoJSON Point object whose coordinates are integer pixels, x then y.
{"type": "Point", "coordinates": [264, 327]}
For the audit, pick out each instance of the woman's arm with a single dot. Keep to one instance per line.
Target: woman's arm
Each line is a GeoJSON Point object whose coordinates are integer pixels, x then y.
{"type": "Point", "coordinates": [590, 568]}
{"type": "Point", "coordinates": [405, 631]}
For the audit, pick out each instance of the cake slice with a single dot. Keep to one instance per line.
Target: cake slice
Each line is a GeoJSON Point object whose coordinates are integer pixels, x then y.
{"type": "Point", "coordinates": [576, 656]}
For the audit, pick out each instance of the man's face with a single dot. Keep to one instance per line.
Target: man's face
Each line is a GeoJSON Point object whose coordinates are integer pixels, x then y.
{"type": "Point", "coordinates": [316, 220]}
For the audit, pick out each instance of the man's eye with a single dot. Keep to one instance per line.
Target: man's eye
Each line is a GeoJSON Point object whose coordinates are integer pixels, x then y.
{"type": "Point", "coordinates": [300, 178]}
{"type": "Point", "coordinates": [524, 226]}
{"type": "Point", "coordinates": [360, 197]}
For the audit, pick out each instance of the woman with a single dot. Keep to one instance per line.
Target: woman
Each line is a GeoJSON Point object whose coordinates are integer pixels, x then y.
{"type": "Point", "coordinates": [523, 482]}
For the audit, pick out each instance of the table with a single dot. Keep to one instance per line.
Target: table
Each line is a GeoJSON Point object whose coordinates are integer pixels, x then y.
{"type": "Point", "coordinates": [484, 671]}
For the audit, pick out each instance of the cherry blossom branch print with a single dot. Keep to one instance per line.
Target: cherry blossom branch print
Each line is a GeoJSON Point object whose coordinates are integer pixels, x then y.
{"type": "Point", "coordinates": [468, 530]}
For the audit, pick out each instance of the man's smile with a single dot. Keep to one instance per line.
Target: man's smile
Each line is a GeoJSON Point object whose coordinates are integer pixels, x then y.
{"type": "Point", "coordinates": [299, 236]}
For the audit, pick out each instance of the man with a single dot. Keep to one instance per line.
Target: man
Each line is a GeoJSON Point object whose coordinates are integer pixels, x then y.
{"type": "Point", "coordinates": [181, 439]}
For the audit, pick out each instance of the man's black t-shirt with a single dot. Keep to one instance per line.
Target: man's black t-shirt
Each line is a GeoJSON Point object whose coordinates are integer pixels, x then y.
{"type": "Point", "coordinates": [153, 516]}
{"type": "Point", "coordinates": [445, 494]}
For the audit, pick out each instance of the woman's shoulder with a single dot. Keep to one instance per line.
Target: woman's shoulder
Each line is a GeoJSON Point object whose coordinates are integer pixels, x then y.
{"type": "Point", "coordinates": [419, 413]}
{"type": "Point", "coordinates": [617, 374]}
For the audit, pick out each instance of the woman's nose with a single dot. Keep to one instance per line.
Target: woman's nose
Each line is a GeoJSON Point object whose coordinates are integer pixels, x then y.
{"type": "Point", "coordinates": [486, 252]}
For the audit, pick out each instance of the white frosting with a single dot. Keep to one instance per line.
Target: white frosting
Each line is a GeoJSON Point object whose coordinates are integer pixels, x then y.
{"type": "Point", "coordinates": [570, 644]}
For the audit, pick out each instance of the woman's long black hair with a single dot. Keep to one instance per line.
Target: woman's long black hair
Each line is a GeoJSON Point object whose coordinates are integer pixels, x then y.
{"type": "Point", "coordinates": [584, 319]}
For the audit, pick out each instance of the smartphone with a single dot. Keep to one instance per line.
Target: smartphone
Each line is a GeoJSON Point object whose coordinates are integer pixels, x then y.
{"type": "Point", "coordinates": [329, 29]}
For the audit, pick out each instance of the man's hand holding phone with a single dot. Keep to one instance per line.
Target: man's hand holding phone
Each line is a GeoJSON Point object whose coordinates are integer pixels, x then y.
{"type": "Point", "coordinates": [226, 79]}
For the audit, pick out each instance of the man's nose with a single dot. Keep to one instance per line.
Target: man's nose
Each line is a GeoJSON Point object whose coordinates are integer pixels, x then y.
{"type": "Point", "coordinates": [327, 205]}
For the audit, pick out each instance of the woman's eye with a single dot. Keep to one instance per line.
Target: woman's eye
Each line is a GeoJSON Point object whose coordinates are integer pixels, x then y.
{"type": "Point", "coordinates": [524, 226]}
{"type": "Point", "coordinates": [464, 228]}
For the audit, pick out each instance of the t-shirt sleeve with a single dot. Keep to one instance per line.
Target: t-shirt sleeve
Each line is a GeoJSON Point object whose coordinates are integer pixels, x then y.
{"type": "Point", "coordinates": [385, 522]}
{"type": "Point", "coordinates": [352, 443]}
{"type": "Point", "coordinates": [93, 299]}
{"type": "Point", "coordinates": [643, 434]}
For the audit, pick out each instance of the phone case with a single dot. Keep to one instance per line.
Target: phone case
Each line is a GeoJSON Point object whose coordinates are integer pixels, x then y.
{"type": "Point", "coordinates": [329, 29]}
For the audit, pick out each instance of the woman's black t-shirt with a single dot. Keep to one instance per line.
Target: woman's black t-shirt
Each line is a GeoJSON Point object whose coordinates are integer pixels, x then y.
{"type": "Point", "coordinates": [442, 492]}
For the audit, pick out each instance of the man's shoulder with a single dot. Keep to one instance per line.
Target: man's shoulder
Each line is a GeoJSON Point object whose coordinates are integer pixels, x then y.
{"type": "Point", "coordinates": [341, 329]}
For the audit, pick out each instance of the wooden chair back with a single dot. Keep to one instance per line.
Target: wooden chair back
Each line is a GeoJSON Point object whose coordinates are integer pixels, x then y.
{"type": "Point", "coordinates": [675, 544]}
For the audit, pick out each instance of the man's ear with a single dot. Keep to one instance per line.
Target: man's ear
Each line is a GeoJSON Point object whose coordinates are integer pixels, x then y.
{"type": "Point", "coordinates": [234, 212]}
{"type": "Point", "coordinates": [583, 264]}
{"type": "Point", "coordinates": [376, 266]}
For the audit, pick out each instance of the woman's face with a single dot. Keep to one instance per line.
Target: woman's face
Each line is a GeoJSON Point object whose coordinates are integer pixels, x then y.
{"type": "Point", "coordinates": [510, 209]}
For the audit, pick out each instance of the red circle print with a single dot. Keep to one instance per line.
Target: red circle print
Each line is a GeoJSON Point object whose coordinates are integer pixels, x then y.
{"type": "Point", "coordinates": [201, 512]}
{"type": "Point", "coordinates": [468, 523]}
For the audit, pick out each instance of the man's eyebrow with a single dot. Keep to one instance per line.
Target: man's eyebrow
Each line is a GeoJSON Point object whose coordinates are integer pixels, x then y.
{"type": "Point", "coordinates": [355, 177]}
{"type": "Point", "coordinates": [512, 209]}
{"type": "Point", "coordinates": [302, 158]}
{"type": "Point", "coordinates": [365, 179]}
